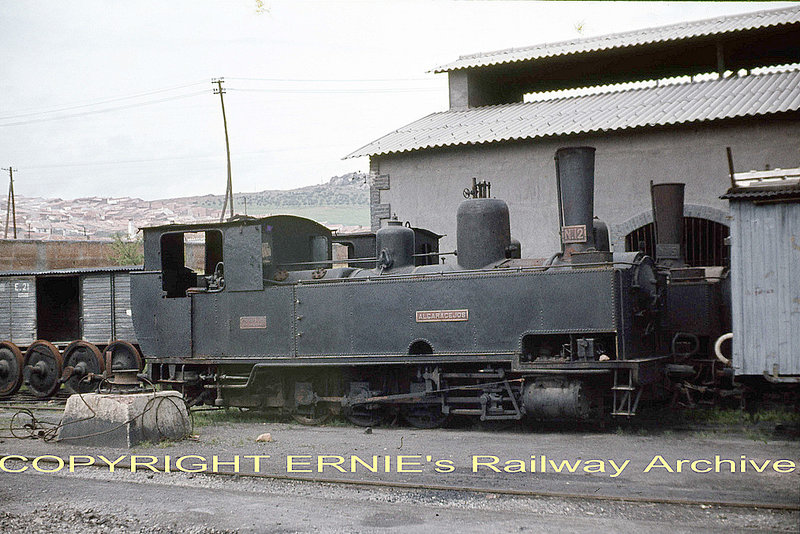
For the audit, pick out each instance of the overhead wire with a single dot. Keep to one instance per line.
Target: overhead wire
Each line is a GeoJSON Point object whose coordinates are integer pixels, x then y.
{"type": "Point", "coordinates": [330, 80]}
{"type": "Point", "coordinates": [183, 158]}
{"type": "Point", "coordinates": [336, 91]}
{"type": "Point", "coordinates": [105, 110]}
{"type": "Point", "coordinates": [54, 109]}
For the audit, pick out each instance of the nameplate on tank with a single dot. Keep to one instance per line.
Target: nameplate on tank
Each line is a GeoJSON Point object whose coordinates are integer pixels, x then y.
{"type": "Point", "coordinates": [573, 234]}
{"type": "Point", "coordinates": [440, 316]}
{"type": "Point", "coordinates": [252, 322]}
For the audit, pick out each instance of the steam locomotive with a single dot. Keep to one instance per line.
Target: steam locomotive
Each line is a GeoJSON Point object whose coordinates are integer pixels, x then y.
{"type": "Point", "coordinates": [275, 324]}
{"type": "Point", "coordinates": [272, 322]}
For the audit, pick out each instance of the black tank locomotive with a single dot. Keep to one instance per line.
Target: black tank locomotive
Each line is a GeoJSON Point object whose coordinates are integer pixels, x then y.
{"type": "Point", "coordinates": [273, 323]}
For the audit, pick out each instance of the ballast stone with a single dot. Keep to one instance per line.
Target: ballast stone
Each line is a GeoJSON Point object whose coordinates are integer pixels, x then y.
{"type": "Point", "coordinates": [124, 420]}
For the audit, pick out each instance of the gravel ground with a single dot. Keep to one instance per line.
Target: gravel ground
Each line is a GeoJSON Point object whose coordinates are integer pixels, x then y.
{"type": "Point", "coordinates": [96, 500]}
{"type": "Point", "coordinates": [142, 502]}
{"type": "Point", "coordinates": [59, 519]}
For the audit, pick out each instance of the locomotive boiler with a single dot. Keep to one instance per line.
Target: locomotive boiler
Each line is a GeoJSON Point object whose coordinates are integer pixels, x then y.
{"type": "Point", "coordinates": [265, 319]}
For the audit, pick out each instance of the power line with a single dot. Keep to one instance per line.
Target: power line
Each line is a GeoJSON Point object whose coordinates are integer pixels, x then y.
{"type": "Point", "coordinates": [311, 80]}
{"type": "Point", "coordinates": [106, 110]}
{"type": "Point", "coordinates": [183, 158]}
{"type": "Point", "coordinates": [338, 91]}
{"type": "Point", "coordinates": [56, 109]}
{"type": "Point", "coordinates": [53, 109]}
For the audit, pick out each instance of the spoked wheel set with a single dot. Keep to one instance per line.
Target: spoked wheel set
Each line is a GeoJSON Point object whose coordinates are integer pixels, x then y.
{"type": "Point", "coordinates": [43, 367]}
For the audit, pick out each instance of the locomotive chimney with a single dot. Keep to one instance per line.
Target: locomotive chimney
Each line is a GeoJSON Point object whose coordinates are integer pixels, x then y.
{"type": "Point", "coordinates": [668, 221]}
{"type": "Point", "coordinates": [575, 182]}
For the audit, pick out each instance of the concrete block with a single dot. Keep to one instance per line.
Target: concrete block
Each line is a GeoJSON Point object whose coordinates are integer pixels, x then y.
{"type": "Point", "coordinates": [124, 420]}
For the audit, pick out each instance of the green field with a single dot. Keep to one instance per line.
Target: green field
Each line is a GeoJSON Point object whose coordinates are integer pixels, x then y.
{"type": "Point", "coordinates": [346, 215]}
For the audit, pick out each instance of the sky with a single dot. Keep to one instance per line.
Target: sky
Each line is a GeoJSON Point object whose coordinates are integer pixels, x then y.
{"type": "Point", "coordinates": [109, 98]}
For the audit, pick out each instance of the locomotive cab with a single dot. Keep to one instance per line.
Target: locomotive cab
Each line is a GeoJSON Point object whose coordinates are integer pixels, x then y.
{"type": "Point", "coordinates": [191, 271]}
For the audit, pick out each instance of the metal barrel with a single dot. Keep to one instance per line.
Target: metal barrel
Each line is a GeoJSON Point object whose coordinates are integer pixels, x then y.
{"type": "Point", "coordinates": [575, 181]}
{"type": "Point", "coordinates": [668, 219]}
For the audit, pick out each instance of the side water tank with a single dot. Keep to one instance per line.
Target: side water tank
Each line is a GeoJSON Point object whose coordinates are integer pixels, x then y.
{"type": "Point", "coordinates": [394, 245]}
{"type": "Point", "coordinates": [484, 232]}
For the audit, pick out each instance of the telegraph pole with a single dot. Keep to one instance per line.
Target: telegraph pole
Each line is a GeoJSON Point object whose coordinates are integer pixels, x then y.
{"type": "Point", "coordinates": [11, 207]}
{"type": "Point", "coordinates": [229, 191]}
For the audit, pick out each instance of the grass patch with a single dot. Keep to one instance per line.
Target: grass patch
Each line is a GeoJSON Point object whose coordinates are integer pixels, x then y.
{"type": "Point", "coordinates": [710, 422]}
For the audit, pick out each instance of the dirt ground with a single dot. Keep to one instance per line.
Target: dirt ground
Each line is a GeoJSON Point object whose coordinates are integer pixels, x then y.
{"type": "Point", "coordinates": [487, 480]}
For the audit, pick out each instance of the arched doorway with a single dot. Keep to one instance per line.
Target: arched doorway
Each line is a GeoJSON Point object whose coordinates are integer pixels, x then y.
{"type": "Point", "coordinates": [703, 241]}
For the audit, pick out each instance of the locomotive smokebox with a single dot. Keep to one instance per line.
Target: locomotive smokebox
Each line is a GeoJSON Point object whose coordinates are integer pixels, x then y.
{"type": "Point", "coordinates": [394, 245]}
{"type": "Point", "coordinates": [575, 182]}
{"type": "Point", "coordinates": [668, 220]}
{"type": "Point", "coordinates": [484, 232]}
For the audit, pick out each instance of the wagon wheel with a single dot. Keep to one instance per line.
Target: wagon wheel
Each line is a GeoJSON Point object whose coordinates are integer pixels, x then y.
{"type": "Point", "coordinates": [43, 365]}
{"type": "Point", "coordinates": [423, 415]}
{"type": "Point", "coordinates": [304, 407]}
{"type": "Point", "coordinates": [84, 358]}
{"type": "Point", "coordinates": [124, 356]}
{"type": "Point", "coordinates": [11, 362]}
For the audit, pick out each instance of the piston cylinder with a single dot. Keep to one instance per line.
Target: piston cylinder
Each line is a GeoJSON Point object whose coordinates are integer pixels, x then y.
{"type": "Point", "coordinates": [560, 399]}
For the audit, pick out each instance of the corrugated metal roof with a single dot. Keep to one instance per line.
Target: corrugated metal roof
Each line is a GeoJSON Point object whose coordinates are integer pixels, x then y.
{"type": "Point", "coordinates": [785, 192]}
{"type": "Point", "coordinates": [746, 96]}
{"type": "Point", "coordinates": [77, 270]}
{"type": "Point", "coordinates": [773, 184]}
{"type": "Point", "coordinates": [673, 32]}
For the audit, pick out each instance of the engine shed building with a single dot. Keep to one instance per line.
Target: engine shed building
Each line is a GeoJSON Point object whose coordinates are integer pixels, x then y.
{"type": "Point", "coordinates": [695, 88]}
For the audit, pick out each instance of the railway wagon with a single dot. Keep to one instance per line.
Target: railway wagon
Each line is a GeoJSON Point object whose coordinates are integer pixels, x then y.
{"type": "Point", "coordinates": [51, 320]}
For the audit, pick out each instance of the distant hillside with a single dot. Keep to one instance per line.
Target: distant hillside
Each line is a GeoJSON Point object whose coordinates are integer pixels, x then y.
{"type": "Point", "coordinates": [343, 200]}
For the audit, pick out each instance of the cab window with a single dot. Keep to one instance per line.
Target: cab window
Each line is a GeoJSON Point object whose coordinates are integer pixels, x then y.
{"type": "Point", "coordinates": [191, 261]}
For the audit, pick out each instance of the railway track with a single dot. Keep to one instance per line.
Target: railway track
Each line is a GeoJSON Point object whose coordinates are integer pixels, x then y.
{"type": "Point", "coordinates": [597, 497]}
{"type": "Point", "coordinates": [24, 400]}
